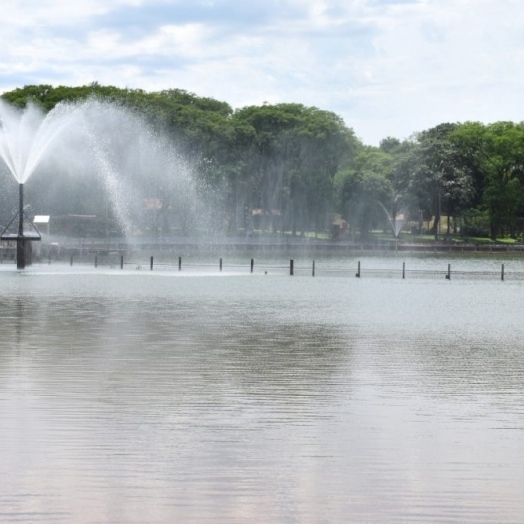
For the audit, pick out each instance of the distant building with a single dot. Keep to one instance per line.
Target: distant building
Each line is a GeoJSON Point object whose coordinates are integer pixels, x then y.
{"type": "Point", "coordinates": [266, 218]}
{"type": "Point", "coordinates": [339, 227]}
{"type": "Point", "coordinates": [153, 203]}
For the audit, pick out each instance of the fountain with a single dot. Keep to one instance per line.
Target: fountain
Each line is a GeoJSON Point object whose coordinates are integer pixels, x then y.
{"type": "Point", "coordinates": [117, 159]}
{"type": "Point", "coordinates": [395, 223]}
{"type": "Point", "coordinates": [25, 136]}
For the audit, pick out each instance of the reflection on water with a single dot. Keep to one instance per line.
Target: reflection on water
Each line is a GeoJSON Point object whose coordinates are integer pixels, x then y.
{"type": "Point", "coordinates": [154, 398]}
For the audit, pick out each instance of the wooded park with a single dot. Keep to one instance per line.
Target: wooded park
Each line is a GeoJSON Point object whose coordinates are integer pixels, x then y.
{"type": "Point", "coordinates": [297, 170]}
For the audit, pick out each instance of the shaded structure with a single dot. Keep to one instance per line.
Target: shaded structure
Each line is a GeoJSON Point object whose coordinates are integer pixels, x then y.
{"type": "Point", "coordinates": [23, 238]}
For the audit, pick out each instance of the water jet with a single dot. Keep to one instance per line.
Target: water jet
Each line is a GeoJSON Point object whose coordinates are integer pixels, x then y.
{"type": "Point", "coordinates": [99, 159]}
{"type": "Point", "coordinates": [395, 222]}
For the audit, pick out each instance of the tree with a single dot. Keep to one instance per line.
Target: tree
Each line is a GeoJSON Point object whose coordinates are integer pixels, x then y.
{"type": "Point", "coordinates": [494, 155]}
{"type": "Point", "coordinates": [365, 190]}
{"type": "Point", "coordinates": [290, 154]}
{"type": "Point", "coordinates": [440, 179]}
{"type": "Point", "coordinates": [503, 151]}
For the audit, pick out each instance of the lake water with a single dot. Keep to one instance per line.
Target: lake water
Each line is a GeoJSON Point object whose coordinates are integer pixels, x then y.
{"type": "Point", "coordinates": [137, 396]}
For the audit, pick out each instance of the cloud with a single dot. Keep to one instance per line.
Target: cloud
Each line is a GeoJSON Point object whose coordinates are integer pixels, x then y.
{"type": "Point", "coordinates": [147, 17]}
{"type": "Point", "coordinates": [389, 67]}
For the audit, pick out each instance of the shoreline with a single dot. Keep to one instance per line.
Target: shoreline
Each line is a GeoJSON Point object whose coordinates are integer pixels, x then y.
{"type": "Point", "coordinates": [78, 246]}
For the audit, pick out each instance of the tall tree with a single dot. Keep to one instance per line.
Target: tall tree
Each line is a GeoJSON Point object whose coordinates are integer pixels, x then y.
{"type": "Point", "coordinates": [365, 190]}
{"type": "Point", "coordinates": [291, 154]}
{"type": "Point", "coordinates": [440, 180]}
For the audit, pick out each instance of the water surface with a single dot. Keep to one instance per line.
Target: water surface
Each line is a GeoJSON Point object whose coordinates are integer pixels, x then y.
{"type": "Point", "coordinates": [131, 396]}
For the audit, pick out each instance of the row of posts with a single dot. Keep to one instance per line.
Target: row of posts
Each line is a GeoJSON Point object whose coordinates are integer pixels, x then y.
{"type": "Point", "coordinates": [220, 264]}
{"type": "Point", "coordinates": [291, 267]}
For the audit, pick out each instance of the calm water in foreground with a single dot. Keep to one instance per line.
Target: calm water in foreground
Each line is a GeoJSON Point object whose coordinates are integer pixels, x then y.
{"type": "Point", "coordinates": [133, 397]}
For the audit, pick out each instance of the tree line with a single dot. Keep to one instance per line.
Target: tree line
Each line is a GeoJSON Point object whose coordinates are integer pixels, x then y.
{"type": "Point", "coordinates": [292, 168]}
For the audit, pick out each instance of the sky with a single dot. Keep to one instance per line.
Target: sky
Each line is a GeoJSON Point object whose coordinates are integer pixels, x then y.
{"type": "Point", "coordinates": [387, 67]}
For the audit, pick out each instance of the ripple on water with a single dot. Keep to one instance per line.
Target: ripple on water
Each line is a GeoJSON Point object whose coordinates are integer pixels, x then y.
{"type": "Point", "coordinates": [160, 400]}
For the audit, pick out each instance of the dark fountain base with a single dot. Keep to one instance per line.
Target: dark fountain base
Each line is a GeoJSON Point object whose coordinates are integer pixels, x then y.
{"type": "Point", "coordinates": [24, 248]}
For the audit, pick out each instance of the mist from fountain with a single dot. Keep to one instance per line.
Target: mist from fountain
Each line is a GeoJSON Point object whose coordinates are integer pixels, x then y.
{"type": "Point", "coordinates": [395, 223]}
{"type": "Point", "coordinates": [27, 135]}
{"type": "Point", "coordinates": [104, 148]}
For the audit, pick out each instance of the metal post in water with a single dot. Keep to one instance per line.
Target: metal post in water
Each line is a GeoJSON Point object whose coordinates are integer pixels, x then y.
{"type": "Point", "coordinates": [502, 272]}
{"type": "Point", "coordinates": [220, 264]}
{"type": "Point", "coordinates": [291, 267]}
{"type": "Point", "coordinates": [313, 269]}
{"type": "Point", "coordinates": [21, 210]}
{"type": "Point", "coordinates": [121, 261]}
{"type": "Point", "coordinates": [71, 261]}
{"type": "Point", "coordinates": [151, 264]}
{"type": "Point", "coordinates": [448, 276]}
{"type": "Point", "coordinates": [96, 260]}
{"type": "Point", "coordinates": [358, 270]}
{"type": "Point", "coordinates": [252, 264]}
{"type": "Point", "coordinates": [20, 244]}
{"type": "Point", "coordinates": [403, 270]}
{"type": "Point", "coordinates": [179, 263]}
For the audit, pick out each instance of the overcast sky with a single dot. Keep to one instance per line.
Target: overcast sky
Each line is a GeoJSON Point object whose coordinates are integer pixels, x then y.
{"type": "Point", "coordinates": [388, 67]}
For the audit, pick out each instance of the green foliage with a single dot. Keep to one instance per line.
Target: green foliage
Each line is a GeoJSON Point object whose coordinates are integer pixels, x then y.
{"type": "Point", "coordinates": [288, 155]}
{"type": "Point", "coordinates": [298, 165]}
{"type": "Point", "coordinates": [495, 156]}
{"type": "Point", "coordinates": [476, 223]}
{"type": "Point", "coordinates": [365, 189]}
{"type": "Point", "coordinates": [439, 181]}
